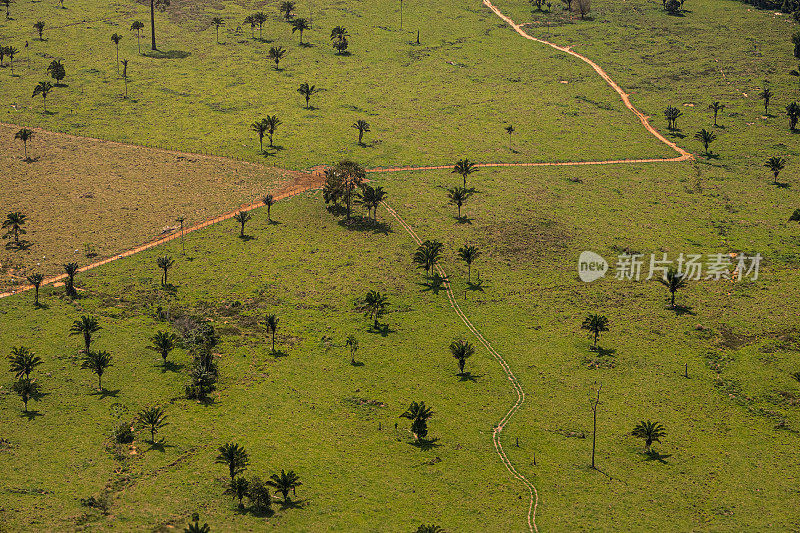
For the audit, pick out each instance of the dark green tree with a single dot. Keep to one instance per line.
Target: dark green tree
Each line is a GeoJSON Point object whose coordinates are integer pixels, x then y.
{"type": "Point", "coordinates": [464, 167]}
{"type": "Point", "coordinates": [272, 122]}
{"type": "Point", "coordinates": [269, 201]}
{"type": "Point", "coordinates": [427, 255]}
{"type": "Point", "coordinates": [161, 4]}
{"type": "Point", "coordinates": [672, 115]}
{"type": "Point", "coordinates": [86, 326]}
{"type": "Point", "coordinates": [27, 389]}
{"type": "Point", "coordinates": [674, 281]}
{"type": "Point", "coordinates": [716, 107]}
{"type": "Point", "coordinates": [24, 135]}
{"type": "Point", "coordinates": [153, 419]}
{"type": "Point", "coordinates": [43, 88]}
{"type": "Point", "coordinates": [300, 24]}
{"type": "Point", "coordinates": [352, 343]}
{"type": "Point", "coordinates": [39, 27]}
{"type": "Point", "coordinates": [285, 482]}
{"type": "Point", "coordinates": [363, 127]}
{"type": "Point", "coordinates": [458, 197]}
{"type": "Point", "coordinates": [419, 415]}
{"type": "Point", "coordinates": [116, 38]}
{"type": "Point", "coordinates": [308, 91]}
{"type": "Point", "coordinates": [13, 226]}
{"type": "Point", "coordinates": [57, 71]}
{"type": "Point", "coordinates": [235, 457]}
{"type": "Point", "coordinates": [649, 431]}
{"type": "Point", "coordinates": [23, 361]}
{"type": "Point", "coordinates": [165, 263]}
{"type": "Point", "coordinates": [775, 165]}
{"type": "Point", "coordinates": [238, 488]}
{"type": "Point", "coordinates": [97, 362]}
{"type": "Point", "coordinates": [217, 22]}
{"type": "Point", "coordinates": [706, 137]}
{"type": "Point", "coordinates": [242, 217]}
{"type": "Point", "coordinates": [596, 324]}
{"type": "Point", "coordinates": [461, 350]}
{"type": "Point", "coordinates": [287, 9]}
{"type": "Point", "coordinates": [766, 95]}
{"type": "Point", "coordinates": [374, 306]}
{"type": "Point", "coordinates": [468, 254]}
{"type": "Point", "coordinates": [260, 128]}
{"type": "Point", "coordinates": [371, 197]}
{"type": "Point", "coordinates": [138, 26]}
{"type": "Point", "coordinates": [259, 495]}
{"type": "Point", "coordinates": [163, 343]}
{"type": "Point", "coordinates": [272, 327]}
{"type": "Point", "coordinates": [793, 112]}
{"type": "Point", "coordinates": [36, 280]}
{"type": "Point", "coordinates": [275, 54]}
{"type": "Point", "coordinates": [69, 285]}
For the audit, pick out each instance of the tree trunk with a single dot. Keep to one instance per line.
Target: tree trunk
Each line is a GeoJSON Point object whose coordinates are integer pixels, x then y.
{"type": "Point", "coordinates": [100, 381]}
{"type": "Point", "coordinates": [36, 297]}
{"type": "Point", "coordinates": [153, 24]}
{"type": "Point", "coordinates": [273, 341]}
{"type": "Point", "coordinates": [469, 272]}
{"type": "Point", "coordinates": [241, 233]}
{"type": "Point", "coordinates": [596, 335]}
{"type": "Point", "coordinates": [672, 300]}
{"type": "Point", "coordinates": [87, 341]}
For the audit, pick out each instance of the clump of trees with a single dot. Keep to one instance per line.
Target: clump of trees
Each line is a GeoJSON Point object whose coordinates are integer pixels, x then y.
{"type": "Point", "coordinates": [13, 224]}
{"type": "Point", "coordinates": [341, 182]}
{"type": "Point", "coordinates": [23, 363]}
{"type": "Point", "coordinates": [339, 40]}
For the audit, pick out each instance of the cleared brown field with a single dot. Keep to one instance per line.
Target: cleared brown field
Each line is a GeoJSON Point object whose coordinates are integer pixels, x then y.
{"type": "Point", "coordinates": [79, 191]}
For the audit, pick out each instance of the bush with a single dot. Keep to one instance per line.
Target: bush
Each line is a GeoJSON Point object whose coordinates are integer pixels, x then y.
{"type": "Point", "coordinates": [673, 7]}
{"type": "Point", "coordinates": [122, 434]}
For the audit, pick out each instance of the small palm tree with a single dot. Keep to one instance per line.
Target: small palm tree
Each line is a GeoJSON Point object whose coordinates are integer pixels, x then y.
{"type": "Point", "coordinates": [272, 327]}
{"type": "Point", "coordinates": [674, 281]}
{"type": "Point", "coordinates": [238, 488]}
{"type": "Point", "coordinates": [165, 263]}
{"type": "Point", "coordinates": [285, 482]}
{"type": "Point", "coordinates": [69, 286]}
{"type": "Point", "coordinates": [458, 197]}
{"type": "Point", "coordinates": [13, 224]}
{"type": "Point", "coordinates": [649, 431]}
{"type": "Point", "coordinates": [300, 24]}
{"type": "Point", "coordinates": [363, 127]}
{"type": "Point", "coordinates": [287, 9]}
{"type": "Point", "coordinates": [36, 280]}
{"type": "Point", "coordinates": [116, 38]}
{"type": "Point", "coordinates": [510, 130]}
{"type": "Point", "coordinates": [153, 418]}
{"type": "Point", "coordinates": [596, 324]}
{"type": "Point", "coordinates": [137, 26]}
{"type": "Point", "coordinates": [23, 361]}
{"type": "Point", "coordinates": [86, 326]}
{"type": "Point", "coordinates": [775, 165]}
{"type": "Point", "coordinates": [308, 91]}
{"type": "Point", "coordinates": [464, 167]}
{"type": "Point", "coordinates": [163, 343]}
{"type": "Point", "coordinates": [427, 255]}
{"type": "Point", "coordinates": [195, 527]}
{"type": "Point", "coordinates": [43, 88]}
{"type": "Point", "coordinates": [39, 27]}
{"type": "Point", "coordinates": [97, 362]}
{"type": "Point", "coordinates": [419, 415]}
{"type": "Point", "coordinates": [269, 201]}
{"type": "Point", "coordinates": [716, 107]}
{"type": "Point", "coordinates": [217, 22]}
{"type": "Point", "coordinates": [429, 528]}
{"type": "Point", "coordinates": [24, 135]}
{"type": "Point", "coordinates": [260, 128]}
{"type": "Point", "coordinates": [706, 137]}
{"type": "Point", "coordinates": [375, 305]}
{"type": "Point", "coordinates": [235, 457]}
{"type": "Point", "coordinates": [242, 217]}
{"type": "Point", "coordinates": [275, 54]}
{"type": "Point", "coordinates": [766, 95]}
{"type": "Point", "coordinates": [468, 254]}
{"type": "Point", "coordinates": [793, 112]}
{"type": "Point", "coordinates": [272, 122]}
{"type": "Point", "coordinates": [461, 351]}
{"type": "Point", "coordinates": [672, 114]}
{"type": "Point", "coordinates": [27, 389]}
{"type": "Point", "coordinates": [352, 343]}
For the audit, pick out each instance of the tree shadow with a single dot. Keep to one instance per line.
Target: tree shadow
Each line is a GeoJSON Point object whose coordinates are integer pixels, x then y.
{"type": "Point", "coordinates": [336, 209]}
{"type": "Point", "coordinates": [475, 285]}
{"type": "Point", "coordinates": [41, 305]}
{"type": "Point", "coordinates": [105, 393]}
{"type": "Point", "coordinates": [681, 310]}
{"type": "Point", "coordinates": [345, 53]}
{"type": "Point", "coordinates": [170, 288]}
{"type": "Point", "coordinates": [464, 220]}
{"type": "Point", "coordinates": [261, 512]}
{"type": "Point", "coordinates": [30, 414]}
{"type": "Point", "coordinates": [426, 444]}
{"type": "Point", "coordinates": [383, 329]}
{"type": "Point", "coordinates": [207, 401]}
{"type": "Point", "coordinates": [360, 223]}
{"type": "Point", "coordinates": [279, 353]}
{"type": "Point", "coordinates": [653, 455]}
{"type": "Point", "coordinates": [677, 134]}
{"type": "Point", "coordinates": [246, 238]}
{"type": "Point", "coordinates": [356, 363]}
{"type": "Point", "coordinates": [711, 155]}
{"type": "Point", "coordinates": [292, 504]}
{"type": "Point", "coordinates": [167, 54]}
{"type": "Point", "coordinates": [468, 376]}
{"type": "Point", "coordinates": [159, 446]}
{"type": "Point", "coordinates": [434, 284]}
{"type": "Point", "coordinates": [171, 366]}
{"type": "Point", "coordinates": [781, 185]}
{"type": "Point", "coordinates": [20, 246]}
{"type": "Point", "coordinates": [274, 222]}
{"type": "Point", "coordinates": [307, 45]}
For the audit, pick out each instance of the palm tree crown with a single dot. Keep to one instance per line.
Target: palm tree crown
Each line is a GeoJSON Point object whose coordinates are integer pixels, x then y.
{"type": "Point", "coordinates": [23, 361]}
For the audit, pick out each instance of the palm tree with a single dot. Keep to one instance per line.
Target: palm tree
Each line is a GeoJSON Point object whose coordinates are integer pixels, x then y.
{"type": "Point", "coordinates": [352, 343]}
{"type": "Point", "coordinates": [164, 263]}
{"type": "Point", "coordinates": [27, 389]}
{"type": "Point", "coordinates": [137, 26]}
{"type": "Point", "coordinates": [716, 107]}
{"type": "Point", "coordinates": [461, 351]}
{"type": "Point", "coordinates": [468, 254]}
{"type": "Point", "coordinates": [11, 52]}
{"type": "Point", "coordinates": [24, 135]}
{"type": "Point", "coordinates": [269, 201]}
{"type": "Point", "coordinates": [793, 112]}
{"type": "Point", "coordinates": [13, 223]}
{"type": "Point", "coordinates": [181, 220]}
{"type": "Point", "coordinates": [153, 418]}
{"type": "Point", "coordinates": [465, 167]}
{"type": "Point", "coordinates": [371, 197]}
{"type": "Point", "coordinates": [765, 95]}
{"type": "Point", "coordinates": [39, 27]}
{"type": "Point", "coordinates": [235, 457]}
{"type": "Point", "coordinates": [251, 20]}
{"type": "Point", "coordinates": [153, 4]}
{"type": "Point", "coordinates": [775, 165]}
{"type": "Point", "coordinates": [7, 3]}
{"type": "Point", "coordinates": [242, 217]}
{"type": "Point", "coordinates": [458, 196]}
{"type": "Point", "coordinates": [362, 126]}
{"type": "Point", "coordinates": [260, 18]}
{"type": "Point", "coordinates": [86, 326]}
{"type": "Point", "coordinates": [427, 255]}
{"type": "Point", "coordinates": [374, 305]}
{"type": "Point", "coordinates": [286, 8]}
{"type": "Point", "coordinates": [275, 54]}
{"type": "Point", "coordinates": [23, 361]}
{"type": "Point", "coordinates": [260, 128]}
{"type": "Point", "coordinates": [195, 527]}
{"type": "Point", "coordinates": [43, 87]}
{"type": "Point", "coordinates": [430, 528]}
{"type": "Point", "coordinates": [97, 362]}
{"type": "Point", "coordinates": [339, 37]}
{"type": "Point", "coordinates": [596, 324]}
{"type": "Point", "coordinates": [285, 482]}
{"type": "Point", "coordinates": [272, 122]}
{"type": "Point", "coordinates": [419, 415]}
{"type": "Point", "coordinates": [675, 280]}
{"type": "Point", "coordinates": [795, 216]}
{"type": "Point", "coordinates": [510, 131]}
{"type": "Point", "coordinates": [672, 114]}
{"type": "Point", "coordinates": [308, 91]}
{"type": "Point", "coordinates": [57, 71]}
{"type": "Point", "coordinates": [272, 327]}
{"type": "Point", "coordinates": [217, 22]}
{"type": "Point", "coordinates": [36, 280]}
{"type": "Point", "coordinates": [69, 286]}
{"type": "Point", "coordinates": [706, 137]}
{"type": "Point", "coordinates": [649, 431]}
{"type": "Point", "coordinates": [125, 76]}
{"type": "Point", "coordinates": [300, 24]}
{"type": "Point", "coordinates": [163, 343]}
{"type": "Point", "coordinates": [238, 488]}
{"type": "Point", "coordinates": [116, 38]}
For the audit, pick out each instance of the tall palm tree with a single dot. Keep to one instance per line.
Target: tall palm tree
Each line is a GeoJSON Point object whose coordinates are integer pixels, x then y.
{"type": "Point", "coordinates": [217, 22]}
{"type": "Point", "coordinates": [165, 263]}
{"type": "Point", "coordinates": [251, 20]}
{"type": "Point", "coordinates": [11, 52]}
{"type": "Point", "coordinates": [766, 95]}
{"type": "Point", "coordinates": [300, 24]}
{"type": "Point", "coordinates": [458, 197]}
{"type": "Point", "coordinates": [775, 165]}
{"type": "Point", "coordinates": [153, 4]}
{"type": "Point", "coordinates": [352, 343]}
{"type": "Point", "coordinates": [287, 9]}
{"type": "Point", "coordinates": [181, 220]}
{"type": "Point", "coordinates": [27, 389]}
{"type": "Point", "coordinates": [308, 91]}
{"type": "Point", "coordinates": [13, 223]}
{"type": "Point", "coordinates": [419, 415]}
{"type": "Point", "coordinates": [465, 167]}
{"type": "Point", "coordinates": [86, 326]}
{"type": "Point", "coordinates": [461, 351]}
{"type": "Point", "coordinates": [43, 88]}
{"type": "Point", "coordinates": [285, 482]}
{"type": "Point", "coordinates": [260, 128]}
{"type": "Point", "coordinates": [272, 122]}
{"type": "Point", "coordinates": [706, 137]}
{"type": "Point", "coordinates": [339, 32]}
{"type": "Point", "coordinates": [468, 254]}
{"type": "Point", "coordinates": [349, 176]}
{"type": "Point", "coordinates": [36, 280]}
{"type": "Point", "coordinates": [362, 126]}
{"type": "Point", "coordinates": [116, 38]}
{"type": "Point", "coordinates": [374, 306]}
{"type": "Point", "coordinates": [125, 76]}
{"type": "Point", "coordinates": [649, 431]}
{"type": "Point", "coordinates": [675, 280]}
{"type": "Point", "coordinates": [793, 112]}
{"type": "Point", "coordinates": [269, 201]}
{"type": "Point", "coordinates": [672, 114]}
{"type": "Point", "coordinates": [510, 130]}
{"type": "Point", "coordinates": [275, 54]}
{"type": "Point", "coordinates": [260, 18]}
{"type": "Point", "coordinates": [97, 362]}
{"type": "Point", "coordinates": [272, 327]}
{"type": "Point", "coordinates": [69, 286]}
{"type": "Point", "coordinates": [137, 26]}
{"type": "Point", "coordinates": [24, 135]}
{"type": "Point", "coordinates": [163, 343]}
{"type": "Point", "coordinates": [238, 488]}
{"type": "Point", "coordinates": [235, 457]}
{"type": "Point", "coordinates": [427, 255]}
{"type": "Point", "coordinates": [39, 27]}
{"type": "Point", "coordinates": [716, 107]}
{"type": "Point", "coordinates": [23, 361]}
{"type": "Point", "coordinates": [242, 217]}
{"type": "Point", "coordinates": [153, 418]}
{"type": "Point", "coordinates": [596, 324]}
